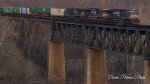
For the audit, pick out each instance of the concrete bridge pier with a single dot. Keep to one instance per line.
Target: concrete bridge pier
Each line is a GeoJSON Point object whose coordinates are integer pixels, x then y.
{"type": "Point", "coordinates": [56, 63]}
{"type": "Point", "coordinates": [96, 67]}
{"type": "Point", "coordinates": [147, 71]}
{"type": "Point", "coordinates": [147, 61]}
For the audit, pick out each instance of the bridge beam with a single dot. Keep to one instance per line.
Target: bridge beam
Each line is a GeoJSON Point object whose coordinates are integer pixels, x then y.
{"type": "Point", "coordinates": [96, 67]}
{"type": "Point", "coordinates": [56, 63]}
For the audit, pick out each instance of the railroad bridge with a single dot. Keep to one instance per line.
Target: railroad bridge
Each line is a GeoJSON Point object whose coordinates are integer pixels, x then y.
{"type": "Point", "coordinates": [133, 39]}
{"type": "Point", "coordinates": [97, 37]}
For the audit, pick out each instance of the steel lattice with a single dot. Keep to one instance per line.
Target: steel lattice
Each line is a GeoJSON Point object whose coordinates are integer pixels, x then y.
{"type": "Point", "coordinates": [107, 37]}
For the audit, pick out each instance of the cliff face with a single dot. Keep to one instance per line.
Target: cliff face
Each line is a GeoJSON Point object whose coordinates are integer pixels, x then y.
{"type": "Point", "coordinates": [142, 5]}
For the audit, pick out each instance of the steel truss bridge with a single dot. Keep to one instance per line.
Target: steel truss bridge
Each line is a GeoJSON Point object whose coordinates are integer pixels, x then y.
{"type": "Point", "coordinates": [129, 39]}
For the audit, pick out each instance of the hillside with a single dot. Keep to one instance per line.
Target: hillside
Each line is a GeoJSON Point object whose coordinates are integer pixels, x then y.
{"type": "Point", "coordinates": [14, 67]}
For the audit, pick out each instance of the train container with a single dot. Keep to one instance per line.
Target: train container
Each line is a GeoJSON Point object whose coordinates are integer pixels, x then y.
{"type": "Point", "coordinates": [28, 11]}
{"type": "Point", "coordinates": [134, 16]}
{"type": "Point", "coordinates": [1, 10]}
{"type": "Point", "coordinates": [44, 10]}
{"type": "Point", "coordinates": [16, 10]}
{"type": "Point", "coordinates": [24, 10]}
{"type": "Point", "coordinates": [57, 12]}
{"type": "Point", "coordinates": [8, 10]}
{"type": "Point", "coordinates": [34, 9]}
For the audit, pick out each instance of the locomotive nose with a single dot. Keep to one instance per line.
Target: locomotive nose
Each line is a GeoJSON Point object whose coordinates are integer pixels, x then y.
{"type": "Point", "coordinates": [133, 16]}
{"type": "Point", "coordinates": [105, 15]}
{"type": "Point", "coordinates": [82, 14]}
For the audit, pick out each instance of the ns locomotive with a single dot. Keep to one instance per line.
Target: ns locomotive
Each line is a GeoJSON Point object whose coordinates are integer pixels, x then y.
{"type": "Point", "coordinates": [111, 16]}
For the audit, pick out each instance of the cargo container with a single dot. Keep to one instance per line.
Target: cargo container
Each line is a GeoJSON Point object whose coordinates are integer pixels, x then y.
{"type": "Point", "coordinates": [24, 10]}
{"type": "Point", "coordinates": [1, 10]}
{"type": "Point", "coordinates": [57, 12]}
{"type": "Point", "coordinates": [44, 10]}
{"type": "Point", "coordinates": [16, 10]}
{"type": "Point", "coordinates": [28, 11]}
{"type": "Point", "coordinates": [7, 10]}
{"type": "Point", "coordinates": [38, 9]}
{"type": "Point", "coordinates": [34, 9]}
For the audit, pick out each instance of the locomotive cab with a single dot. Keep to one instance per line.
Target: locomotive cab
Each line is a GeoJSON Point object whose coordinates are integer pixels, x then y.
{"type": "Point", "coordinates": [134, 16]}
{"type": "Point", "coordinates": [105, 13]}
{"type": "Point", "coordinates": [82, 14]}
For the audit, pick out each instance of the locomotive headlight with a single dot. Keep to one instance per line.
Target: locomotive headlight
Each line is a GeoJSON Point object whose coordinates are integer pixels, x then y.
{"type": "Point", "coordinates": [133, 16]}
{"type": "Point", "coordinates": [82, 13]}
{"type": "Point", "coordinates": [105, 15]}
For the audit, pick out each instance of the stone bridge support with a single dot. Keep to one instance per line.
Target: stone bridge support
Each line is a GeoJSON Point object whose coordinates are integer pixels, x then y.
{"type": "Point", "coordinates": [56, 63]}
{"type": "Point", "coordinates": [96, 67]}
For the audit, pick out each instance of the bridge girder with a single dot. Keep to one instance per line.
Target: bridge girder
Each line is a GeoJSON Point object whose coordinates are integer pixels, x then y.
{"type": "Point", "coordinates": [122, 39]}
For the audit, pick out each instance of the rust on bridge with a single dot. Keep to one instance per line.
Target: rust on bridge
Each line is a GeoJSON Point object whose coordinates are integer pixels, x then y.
{"type": "Point", "coordinates": [147, 71]}
{"type": "Point", "coordinates": [56, 63]}
{"type": "Point", "coordinates": [95, 71]}
{"type": "Point", "coordinates": [96, 67]}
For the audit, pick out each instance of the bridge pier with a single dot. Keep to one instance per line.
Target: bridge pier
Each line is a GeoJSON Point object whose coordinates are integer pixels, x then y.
{"type": "Point", "coordinates": [147, 61]}
{"type": "Point", "coordinates": [56, 63]}
{"type": "Point", "coordinates": [147, 71]}
{"type": "Point", "coordinates": [96, 67]}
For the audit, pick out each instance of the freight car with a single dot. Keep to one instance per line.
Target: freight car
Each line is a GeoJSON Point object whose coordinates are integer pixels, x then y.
{"type": "Point", "coordinates": [10, 10]}
{"type": "Point", "coordinates": [24, 10]}
{"type": "Point", "coordinates": [16, 10]}
{"type": "Point", "coordinates": [42, 11]}
{"type": "Point", "coordinates": [57, 12]}
{"type": "Point", "coordinates": [7, 10]}
{"type": "Point", "coordinates": [1, 10]}
{"type": "Point", "coordinates": [13, 10]}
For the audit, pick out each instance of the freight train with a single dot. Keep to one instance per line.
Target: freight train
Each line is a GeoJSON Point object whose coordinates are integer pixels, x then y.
{"type": "Point", "coordinates": [114, 16]}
